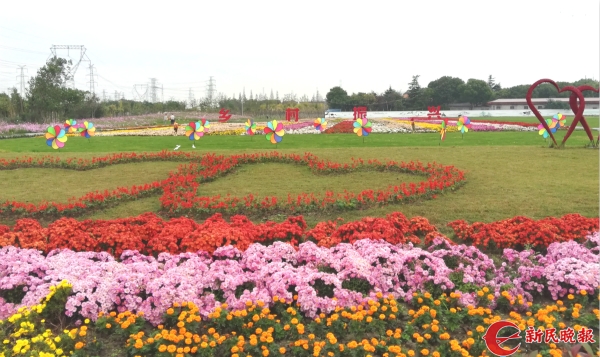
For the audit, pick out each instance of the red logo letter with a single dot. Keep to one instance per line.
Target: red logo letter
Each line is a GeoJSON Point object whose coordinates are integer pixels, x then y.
{"type": "Point", "coordinates": [493, 341]}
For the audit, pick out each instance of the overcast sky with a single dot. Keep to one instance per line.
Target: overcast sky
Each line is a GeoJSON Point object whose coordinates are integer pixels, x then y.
{"type": "Point", "coordinates": [302, 46]}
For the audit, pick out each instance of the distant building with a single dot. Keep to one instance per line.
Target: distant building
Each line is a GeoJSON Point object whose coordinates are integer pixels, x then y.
{"type": "Point", "coordinates": [540, 103]}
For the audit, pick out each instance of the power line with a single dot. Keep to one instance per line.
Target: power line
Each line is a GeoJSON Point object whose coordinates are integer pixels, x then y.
{"type": "Point", "coordinates": [21, 50]}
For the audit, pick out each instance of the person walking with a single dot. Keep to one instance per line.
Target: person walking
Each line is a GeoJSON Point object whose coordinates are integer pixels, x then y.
{"type": "Point", "coordinates": [172, 119]}
{"type": "Point", "coordinates": [175, 127]}
{"type": "Point", "coordinates": [166, 117]}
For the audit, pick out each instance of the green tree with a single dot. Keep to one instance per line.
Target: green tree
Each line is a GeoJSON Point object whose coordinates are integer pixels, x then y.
{"type": "Point", "coordinates": [446, 90]}
{"type": "Point", "coordinates": [362, 99]}
{"type": "Point", "coordinates": [476, 92]}
{"type": "Point", "coordinates": [417, 98]}
{"type": "Point", "coordinates": [337, 98]}
{"type": "Point", "coordinates": [491, 82]}
{"type": "Point", "coordinates": [5, 106]}
{"type": "Point", "coordinates": [553, 104]}
{"type": "Point", "coordinates": [46, 89]}
{"type": "Point", "coordinates": [390, 100]}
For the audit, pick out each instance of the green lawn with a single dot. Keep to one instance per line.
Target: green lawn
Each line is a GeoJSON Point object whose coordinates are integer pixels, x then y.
{"type": "Point", "coordinates": [509, 173]}
{"type": "Point", "coordinates": [292, 142]}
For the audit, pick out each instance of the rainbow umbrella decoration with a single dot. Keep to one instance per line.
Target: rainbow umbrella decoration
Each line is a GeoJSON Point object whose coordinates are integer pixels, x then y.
{"type": "Point", "coordinates": [320, 124]}
{"type": "Point", "coordinates": [88, 130]}
{"type": "Point", "coordinates": [194, 130]}
{"type": "Point", "coordinates": [56, 137]}
{"type": "Point", "coordinates": [463, 125]}
{"type": "Point", "coordinates": [70, 125]}
{"type": "Point", "coordinates": [443, 130]}
{"type": "Point", "coordinates": [250, 127]}
{"type": "Point", "coordinates": [362, 127]}
{"type": "Point", "coordinates": [274, 131]}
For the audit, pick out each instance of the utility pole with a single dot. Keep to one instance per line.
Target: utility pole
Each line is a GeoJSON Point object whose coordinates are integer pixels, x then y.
{"type": "Point", "coordinates": [243, 95]}
{"type": "Point", "coordinates": [104, 95]}
{"type": "Point", "coordinates": [116, 96]}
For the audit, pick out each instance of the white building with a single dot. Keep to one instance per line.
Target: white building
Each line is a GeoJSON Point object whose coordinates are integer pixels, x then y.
{"type": "Point", "coordinates": [540, 103]}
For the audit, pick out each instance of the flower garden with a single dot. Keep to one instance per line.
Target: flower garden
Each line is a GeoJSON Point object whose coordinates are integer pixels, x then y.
{"type": "Point", "coordinates": [394, 269]}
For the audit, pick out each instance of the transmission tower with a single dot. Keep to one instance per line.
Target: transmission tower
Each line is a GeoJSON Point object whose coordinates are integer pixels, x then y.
{"type": "Point", "coordinates": [21, 79]}
{"type": "Point", "coordinates": [191, 98]}
{"type": "Point", "coordinates": [82, 57]}
{"type": "Point", "coordinates": [104, 95]}
{"type": "Point", "coordinates": [140, 92]}
{"type": "Point", "coordinates": [92, 83]}
{"type": "Point", "coordinates": [153, 88]}
{"type": "Point", "coordinates": [212, 88]}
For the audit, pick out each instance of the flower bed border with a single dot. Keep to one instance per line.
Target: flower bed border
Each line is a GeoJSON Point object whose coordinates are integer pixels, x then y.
{"type": "Point", "coordinates": [180, 188]}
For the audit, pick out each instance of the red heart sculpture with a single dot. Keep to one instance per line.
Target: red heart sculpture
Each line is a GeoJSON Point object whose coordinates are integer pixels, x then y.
{"type": "Point", "coordinates": [578, 114]}
{"type": "Point", "coordinates": [574, 108]}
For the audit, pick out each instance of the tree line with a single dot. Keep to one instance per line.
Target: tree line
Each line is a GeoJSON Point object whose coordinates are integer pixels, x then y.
{"type": "Point", "coordinates": [448, 90]}
{"type": "Point", "coordinates": [49, 98]}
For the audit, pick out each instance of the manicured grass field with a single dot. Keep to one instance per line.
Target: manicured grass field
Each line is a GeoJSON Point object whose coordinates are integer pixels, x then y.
{"type": "Point", "coordinates": [305, 142]}
{"type": "Point", "coordinates": [508, 173]}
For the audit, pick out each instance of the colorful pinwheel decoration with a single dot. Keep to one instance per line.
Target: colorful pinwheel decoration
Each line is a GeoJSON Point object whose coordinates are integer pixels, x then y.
{"type": "Point", "coordinates": [443, 130]}
{"type": "Point", "coordinates": [88, 130]}
{"type": "Point", "coordinates": [553, 124]}
{"type": "Point", "coordinates": [463, 124]}
{"type": "Point", "coordinates": [320, 124]}
{"type": "Point", "coordinates": [70, 126]}
{"type": "Point", "coordinates": [362, 127]}
{"type": "Point", "coordinates": [196, 130]}
{"type": "Point", "coordinates": [562, 120]}
{"type": "Point", "coordinates": [274, 131]}
{"type": "Point", "coordinates": [56, 137]}
{"type": "Point", "coordinates": [250, 128]}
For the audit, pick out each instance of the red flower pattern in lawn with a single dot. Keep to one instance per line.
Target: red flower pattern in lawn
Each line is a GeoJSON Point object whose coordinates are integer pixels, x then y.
{"type": "Point", "coordinates": [179, 190]}
{"type": "Point", "coordinates": [152, 235]}
{"type": "Point", "coordinates": [343, 127]}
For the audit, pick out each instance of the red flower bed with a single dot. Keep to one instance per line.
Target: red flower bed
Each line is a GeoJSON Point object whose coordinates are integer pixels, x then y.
{"type": "Point", "coordinates": [521, 231]}
{"type": "Point", "coordinates": [152, 235]}
{"type": "Point", "coordinates": [179, 191]}
{"type": "Point", "coordinates": [343, 127]}
{"type": "Point", "coordinates": [475, 121]}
